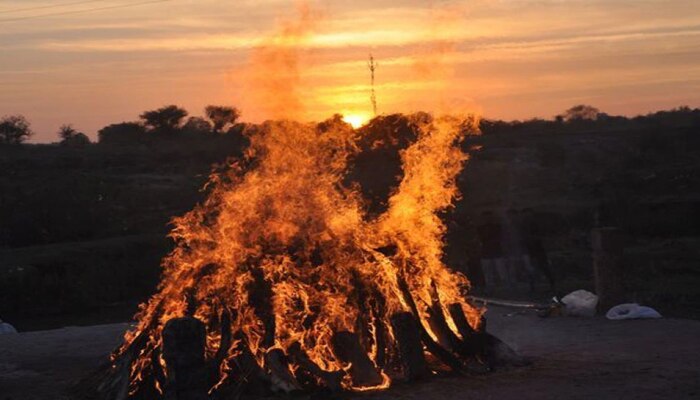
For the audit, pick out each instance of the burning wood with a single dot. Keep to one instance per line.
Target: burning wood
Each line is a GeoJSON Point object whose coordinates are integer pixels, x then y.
{"type": "Point", "coordinates": [346, 347]}
{"type": "Point", "coordinates": [324, 379]}
{"type": "Point", "coordinates": [281, 281]}
{"type": "Point", "coordinates": [278, 369]}
{"type": "Point", "coordinates": [183, 352]}
{"type": "Point", "coordinates": [407, 335]}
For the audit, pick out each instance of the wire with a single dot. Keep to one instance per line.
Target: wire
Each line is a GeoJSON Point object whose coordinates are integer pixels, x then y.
{"type": "Point", "coordinates": [87, 10]}
{"type": "Point", "coordinates": [74, 3]}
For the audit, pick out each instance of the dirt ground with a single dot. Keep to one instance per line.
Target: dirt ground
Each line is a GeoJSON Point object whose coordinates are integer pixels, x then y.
{"type": "Point", "coordinates": [573, 358]}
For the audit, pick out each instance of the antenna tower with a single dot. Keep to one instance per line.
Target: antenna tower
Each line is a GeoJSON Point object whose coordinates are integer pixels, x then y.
{"type": "Point", "coordinates": [372, 67]}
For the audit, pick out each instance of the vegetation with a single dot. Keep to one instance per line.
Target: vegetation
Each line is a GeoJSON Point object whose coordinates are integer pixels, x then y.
{"type": "Point", "coordinates": [197, 126]}
{"type": "Point", "coordinates": [583, 118]}
{"type": "Point", "coordinates": [71, 137]}
{"type": "Point", "coordinates": [165, 120]}
{"type": "Point", "coordinates": [580, 112]}
{"type": "Point", "coordinates": [14, 129]}
{"type": "Point", "coordinates": [222, 117]}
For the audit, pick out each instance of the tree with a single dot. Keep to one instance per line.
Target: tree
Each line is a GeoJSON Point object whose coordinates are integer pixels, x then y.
{"type": "Point", "coordinates": [122, 133]}
{"type": "Point", "coordinates": [14, 129]}
{"type": "Point", "coordinates": [166, 119]}
{"type": "Point", "coordinates": [197, 125]}
{"type": "Point", "coordinates": [581, 112]}
{"type": "Point", "coordinates": [71, 137]}
{"type": "Point", "coordinates": [221, 116]}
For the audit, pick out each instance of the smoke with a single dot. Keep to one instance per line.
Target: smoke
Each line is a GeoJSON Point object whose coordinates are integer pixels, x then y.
{"type": "Point", "coordinates": [280, 82]}
{"type": "Point", "coordinates": [432, 61]}
{"type": "Point", "coordinates": [274, 81]}
{"type": "Point", "coordinates": [435, 62]}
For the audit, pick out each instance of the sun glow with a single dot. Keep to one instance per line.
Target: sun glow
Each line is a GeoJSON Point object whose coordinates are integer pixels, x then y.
{"type": "Point", "coordinates": [356, 120]}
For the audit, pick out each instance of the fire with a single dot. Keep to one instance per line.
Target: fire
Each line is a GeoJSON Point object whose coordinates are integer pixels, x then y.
{"type": "Point", "coordinates": [356, 120]}
{"type": "Point", "coordinates": [288, 268]}
{"type": "Point", "coordinates": [284, 249]}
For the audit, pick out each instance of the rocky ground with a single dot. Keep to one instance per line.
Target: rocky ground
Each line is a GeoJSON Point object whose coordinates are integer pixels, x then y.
{"type": "Point", "coordinates": [573, 358]}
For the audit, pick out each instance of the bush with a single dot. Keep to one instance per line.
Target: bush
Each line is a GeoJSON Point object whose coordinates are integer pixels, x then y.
{"type": "Point", "coordinates": [14, 129]}
{"type": "Point", "coordinates": [122, 133]}
{"type": "Point", "coordinates": [71, 137]}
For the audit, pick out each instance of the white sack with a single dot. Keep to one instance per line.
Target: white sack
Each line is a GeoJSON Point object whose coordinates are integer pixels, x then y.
{"type": "Point", "coordinates": [631, 311]}
{"type": "Point", "coordinates": [580, 303]}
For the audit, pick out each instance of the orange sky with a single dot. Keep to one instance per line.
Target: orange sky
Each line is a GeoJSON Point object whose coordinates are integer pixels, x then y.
{"type": "Point", "coordinates": [101, 62]}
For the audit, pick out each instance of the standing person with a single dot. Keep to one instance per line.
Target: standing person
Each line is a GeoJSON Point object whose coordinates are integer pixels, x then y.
{"type": "Point", "coordinates": [492, 263]}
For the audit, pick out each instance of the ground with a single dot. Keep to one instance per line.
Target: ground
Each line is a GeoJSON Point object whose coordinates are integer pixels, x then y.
{"type": "Point", "coordinates": [573, 358]}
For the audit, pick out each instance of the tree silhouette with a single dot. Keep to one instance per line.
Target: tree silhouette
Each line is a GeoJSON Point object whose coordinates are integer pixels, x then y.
{"type": "Point", "coordinates": [14, 129]}
{"type": "Point", "coordinates": [581, 112]}
{"type": "Point", "coordinates": [221, 116]}
{"type": "Point", "coordinates": [121, 133]}
{"type": "Point", "coordinates": [166, 119]}
{"type": "Point", "coordinates": [197, 125]}
{"type": "Point", "coordinates": [71, 137]}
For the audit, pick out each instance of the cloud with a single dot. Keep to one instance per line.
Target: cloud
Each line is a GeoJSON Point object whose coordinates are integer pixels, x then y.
{"type": "Point", "coordinates": [517, 57]}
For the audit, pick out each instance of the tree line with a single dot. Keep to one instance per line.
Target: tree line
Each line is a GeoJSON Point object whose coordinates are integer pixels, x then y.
{"type": "Point", "coordinates": [172, 121]}
{"type": "Point", "coordinates": [167, 121]}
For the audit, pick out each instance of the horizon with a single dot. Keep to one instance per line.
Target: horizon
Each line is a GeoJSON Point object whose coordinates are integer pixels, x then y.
{"type": "Point", "coordinates": [358, 122]}
{"type": "Point", "coordinates": [93, 63]}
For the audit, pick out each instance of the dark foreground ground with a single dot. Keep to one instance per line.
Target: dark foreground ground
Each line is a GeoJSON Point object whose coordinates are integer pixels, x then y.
{"type": "Point", "coordinates": [574, 358]}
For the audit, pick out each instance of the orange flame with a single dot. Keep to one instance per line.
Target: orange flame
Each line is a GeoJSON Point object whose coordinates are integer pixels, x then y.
{"type": "Point", "coordinates": [282, 216]}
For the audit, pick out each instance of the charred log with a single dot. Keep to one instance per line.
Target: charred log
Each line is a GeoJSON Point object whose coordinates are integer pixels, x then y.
{"type": "Point", "coordinates": [183, 351]}
{"type": "Point", "coordinates": [261, 298]}
{"type": "Point", "coordinates": [347, 348]}
{"type": "Point", "coordinates": [407, 334]}
{"type": "Point", "coordinates": [248, 375]}
{"type": "Point", "coordinates": [369, 326]}
{"type": "Point", "coordinates": [438, 324]}
{"type": "Point", "coordinates": [490, 350]}
{"type": "Point", "coordinates": [363, 322]}
{"type": "Point", "coordinates": [280, 376]}
{"type": "Point", "coordinates": [330, 380]}
{"type": "Point", "coordinates": [378, 311]}
{"type": "Point", "coordinates": [472, 341]}
{"type": "Point", "coordinates": [224, 346]}
{"type": "Point", "coordinates": [460, 320]}
{"type": "Point", "coordinates": [444, 355]}
{"type": "Point", "coordinates": [158, 372]}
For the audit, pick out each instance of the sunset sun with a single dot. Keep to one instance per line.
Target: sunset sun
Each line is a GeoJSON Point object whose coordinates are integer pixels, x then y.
{"type": "Point", "coordinates": [356, 120]}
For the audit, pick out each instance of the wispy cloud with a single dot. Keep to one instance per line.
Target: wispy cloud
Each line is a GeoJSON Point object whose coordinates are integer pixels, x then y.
{"type": "Point", "coordinates": [497, 52]}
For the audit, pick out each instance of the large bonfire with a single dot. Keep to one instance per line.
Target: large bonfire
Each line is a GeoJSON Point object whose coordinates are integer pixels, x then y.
{"type": "Point", "coordinates": [296, 285]}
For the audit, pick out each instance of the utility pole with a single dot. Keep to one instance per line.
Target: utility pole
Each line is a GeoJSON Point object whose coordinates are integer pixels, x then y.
{"type": "Point", "coordinates": [372, 67]}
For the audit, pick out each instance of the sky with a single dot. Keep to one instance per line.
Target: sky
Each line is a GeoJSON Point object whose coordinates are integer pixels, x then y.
{"type": "Point", "coordinates": [92, 63]}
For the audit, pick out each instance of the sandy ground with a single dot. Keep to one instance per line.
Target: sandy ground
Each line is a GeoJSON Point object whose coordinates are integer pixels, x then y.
{"type": "Point", "coordinates": [574, 358]}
